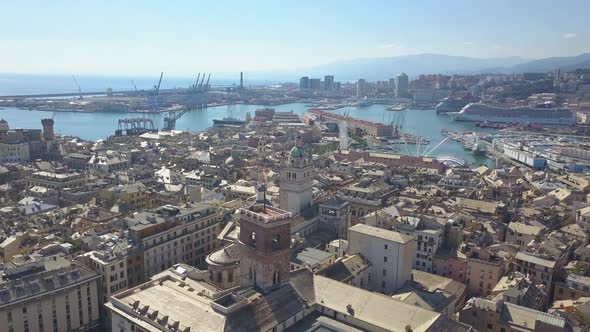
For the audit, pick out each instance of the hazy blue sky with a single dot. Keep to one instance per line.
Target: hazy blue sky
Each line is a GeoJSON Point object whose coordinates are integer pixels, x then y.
{"type": "Point", "coordinates": [145, 37]}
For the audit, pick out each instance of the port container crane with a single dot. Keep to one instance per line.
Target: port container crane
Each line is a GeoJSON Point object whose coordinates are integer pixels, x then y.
{"type": "Point", "coordinates": [78, 86]}
{"type": "Point", "coordinates": [202, 80]}
{"type": "Point", "coordinates": [153, 97]}
{"type": "Point", "coordinates": [207, 84]}
{"type": "Point", "coordinates": [197, 83]}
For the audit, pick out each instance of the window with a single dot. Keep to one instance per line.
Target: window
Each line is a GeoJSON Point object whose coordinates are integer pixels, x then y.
{"type": "Point", "coordinates": [385, 259]}
{"type": "Point", "coordinates": [490, 326]}
{"type": "Point", "coordinates": [276, 242]}
{"type": "Point", "coordinates": [253, 239]}
{"type": "Point", "coordinates": [383, 284]}
{"type": "Point", "coordinates": [385, 247]}
{"type": "Point", "coordinates": [384, 272]}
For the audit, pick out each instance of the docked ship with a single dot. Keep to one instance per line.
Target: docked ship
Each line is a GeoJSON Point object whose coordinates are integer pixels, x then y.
{"type": "Point", "coordinates": [454, 104]}
{"type": "Point", "coordinates": [518, 115]}
{"type": "Point", "coordinates": [364, 102]}
{"type": "Point", "coordinates": [228, 121]}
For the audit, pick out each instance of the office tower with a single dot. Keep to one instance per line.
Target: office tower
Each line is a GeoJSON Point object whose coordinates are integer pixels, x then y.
{"type": "Point", "coordinates": [401, 89]}
{"type": "Point", "coordinates": [328, 82]}
{"type": "Point", "coordinates": [304, 82]}
{"type": "Point", "coordinates": [361, 88]}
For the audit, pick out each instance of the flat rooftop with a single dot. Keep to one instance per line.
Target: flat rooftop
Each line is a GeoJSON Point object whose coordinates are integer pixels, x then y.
{"type": "Point", "coordinates": [381, 233]}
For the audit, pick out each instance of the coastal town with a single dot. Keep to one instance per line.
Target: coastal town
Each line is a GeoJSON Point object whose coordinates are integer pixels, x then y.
{"type": "Point", "coordinates": [281, 222]}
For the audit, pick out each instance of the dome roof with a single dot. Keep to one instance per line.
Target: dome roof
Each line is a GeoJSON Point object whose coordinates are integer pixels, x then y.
{"type": "Point", "coordinates": [229, 161]}
{"type": "Point", "coordinates": [3, 121]}
{"type": "Point", "coordinates": [296, 152]}
{"type": "Point", "coordinates": [228, 255]}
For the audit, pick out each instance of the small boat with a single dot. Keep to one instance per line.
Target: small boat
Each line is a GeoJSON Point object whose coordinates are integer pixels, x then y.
{"type": "Point", "coordinates": [396, 108]}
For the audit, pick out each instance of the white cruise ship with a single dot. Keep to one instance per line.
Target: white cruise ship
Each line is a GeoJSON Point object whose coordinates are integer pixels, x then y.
{"type": "Point", "coordinates": [526, 115]}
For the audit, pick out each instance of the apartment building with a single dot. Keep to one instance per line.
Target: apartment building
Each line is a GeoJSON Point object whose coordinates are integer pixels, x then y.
{"type": "Point", "coordinates": [57, 180]}
{"type": "Point", "coordinates": [110, 261]}
{"type": "Point", "coordinates": [390, 253]}
{"type": "Point", "coordinates": [484, 270]}
{"type": "Point", "coordinates": [429, 237]}
{"type": "Point", "coordinates": [522, 234]}
{"type": "Point", "coordinates": [170, 235]}
{"type": "Point", "coordinates": [541, 270]}
{"type": "Point", "coordinates": [52, 294]}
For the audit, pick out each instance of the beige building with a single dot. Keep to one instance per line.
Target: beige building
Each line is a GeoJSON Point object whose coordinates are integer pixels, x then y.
{"type": "Point", "coordinates": [14, 153]}
{"type": "Point", "coordinates": [390, 253]}
{"type": "Point", "coordinates": [171, 235]}
{"type": "Point", "coordinates": [10, 247]}
{"type": "Point", "coordinates": [540, 270]}
{"type": "Point", "coordinates": [106, 164]}
{"type": "Point", "coordinates": [111, 263]}
{"type": "Point", "coordinates": [305, 300]}
{"type": "Point", "coordinates": [522, 234]}
{"type": "Point", "coordinates": [365, 196]}
{"type": "Point", "coordinates": [232, 192]}
{"type": "Point", "coordinates": [574, 287]}
{"type": "Point", "coordinates": [135, 194]}
{"type": "Point", "coordinates": [57, 181]}
{"type": "Point", "coordinates": [500, 316]}
{"type": "Point", "coordinates": [49, 295]}
{"type": "Point", "coordinates": [484, 270]}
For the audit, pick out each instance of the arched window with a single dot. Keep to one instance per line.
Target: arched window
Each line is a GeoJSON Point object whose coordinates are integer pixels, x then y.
{"type": "Point", "coordinates": [253, 239]}
{"type": "Point", "coordinates": [276, 242]}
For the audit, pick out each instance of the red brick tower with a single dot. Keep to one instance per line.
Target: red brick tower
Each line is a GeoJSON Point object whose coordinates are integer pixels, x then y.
{"type": "Point", "coordinates": [264, 240]}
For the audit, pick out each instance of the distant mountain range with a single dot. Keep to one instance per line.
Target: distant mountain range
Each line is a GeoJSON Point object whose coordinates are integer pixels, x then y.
{"type": "Point", "coordinates": [414, 65]}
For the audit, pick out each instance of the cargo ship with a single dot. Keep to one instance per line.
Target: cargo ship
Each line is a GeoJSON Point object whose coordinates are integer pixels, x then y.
{"type": "Point", "coordinates": [517, 115]}
{"type": "Point", "coordinates": [454, 104]}
{"type": "Point", "coordinates": [229, 121]}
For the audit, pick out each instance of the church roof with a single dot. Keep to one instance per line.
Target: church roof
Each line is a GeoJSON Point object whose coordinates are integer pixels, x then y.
{"type": "Point", "coordinates": [296, 152]}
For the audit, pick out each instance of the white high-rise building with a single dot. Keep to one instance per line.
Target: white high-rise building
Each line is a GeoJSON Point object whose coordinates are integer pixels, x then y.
{"type": "Point", "coordinates": [390, 253]}
{"type": "Point", "coordinates": [295, 189]}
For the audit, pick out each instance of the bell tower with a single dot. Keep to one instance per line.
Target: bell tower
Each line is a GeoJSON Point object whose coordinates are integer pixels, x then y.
{"type": "Point", "coordinates": [295, 186]}
{"type": "Point", "coordinates": [265, 246]}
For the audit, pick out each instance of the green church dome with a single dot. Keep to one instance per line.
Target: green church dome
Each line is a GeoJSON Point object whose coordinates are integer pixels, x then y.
{"type": "Point", "coordinates": [296, 152]}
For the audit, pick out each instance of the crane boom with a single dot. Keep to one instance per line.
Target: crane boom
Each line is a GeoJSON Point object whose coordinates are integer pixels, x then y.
{"type": "Point", "coordinates": [208, 77]}
{"type": "Point", "coordinates": [160, 82]}
{"type": "Point", "coordinates": [197, 84]}
{"type": "Point", "coordinates": [202, 80]}
{"type": "Point", "coordinates": [78, 86]}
